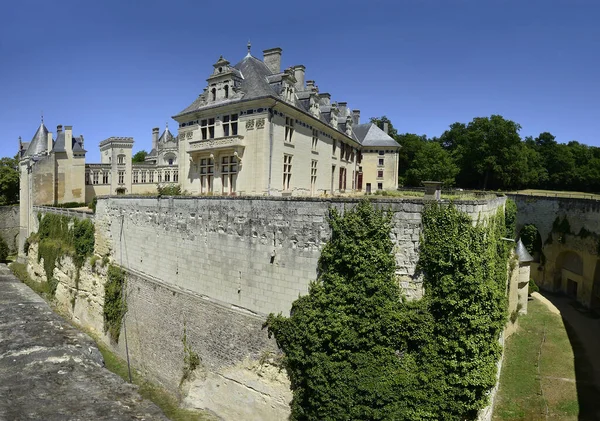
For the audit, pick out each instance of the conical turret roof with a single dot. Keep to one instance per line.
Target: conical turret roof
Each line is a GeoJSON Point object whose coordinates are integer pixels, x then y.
{"type": "Point", "coordinates": [39, 143]}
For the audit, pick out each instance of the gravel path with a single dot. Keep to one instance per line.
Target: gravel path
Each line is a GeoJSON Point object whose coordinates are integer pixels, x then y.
{"type": "Point", "coordinates": [51, 371]}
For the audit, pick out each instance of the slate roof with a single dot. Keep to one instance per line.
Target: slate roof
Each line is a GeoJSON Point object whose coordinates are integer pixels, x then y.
{"type": "Point", "coordinates": [39, 142]}
{"type": "Point", "coordinates": [522, 253]}
{"type": "Point", "coordinates": [166, 136]}
{"type": "Point", "coordinates": [369, 134]}
{"type": "Point", "coordinates": [59, 143]}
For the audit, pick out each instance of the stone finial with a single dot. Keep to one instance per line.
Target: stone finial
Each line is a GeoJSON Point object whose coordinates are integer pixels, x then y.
{"type": "Point", "coordinates": [249, 47]}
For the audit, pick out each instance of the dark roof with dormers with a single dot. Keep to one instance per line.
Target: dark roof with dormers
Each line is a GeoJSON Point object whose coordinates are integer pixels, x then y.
{"type": "Point", "coordinates": [39, 142]}
{"type": "Point", "coordinates": [59, 143]}
{"type": "Point", "coordinates": [368, 134]}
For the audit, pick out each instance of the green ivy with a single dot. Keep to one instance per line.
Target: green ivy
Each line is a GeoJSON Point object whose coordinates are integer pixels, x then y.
{"type": "Point", "coordinates": [115, 304]}
{"type": "Point", "coordinates": [354, 349]}
{"type": "Point", "coordinates": [58, 236]}
{"type": "Point", "coordinates": [510, 218]}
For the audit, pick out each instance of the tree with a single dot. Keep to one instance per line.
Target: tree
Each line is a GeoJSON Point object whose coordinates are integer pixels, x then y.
{"type": "Point", "coordinates": [380, 121]}
{"type": "Point", "coordinates": [432, 162]}
{"type": "Point", "coordinates": [485, 151]}
{"type": "Point", "coordinates": [344, 341]}
{"type": "Point", "coordinates": [139, 156]}
{"type": "Point", "coordinates": [9, 181]}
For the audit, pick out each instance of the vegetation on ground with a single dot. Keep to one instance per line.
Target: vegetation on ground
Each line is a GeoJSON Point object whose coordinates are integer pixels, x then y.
{"type": "Point", "coordinates": [538, 375]}
{"type": "Point", "coordinates": [20, 271]}
{"type": "Point", "coordinates": [170, 190]}
{"type": "Point", "coordinates": [4, 250]}
{"type": "Point", "coordinates": [354, 349]}
{"type": "Point", "coordinates": [149, 390]}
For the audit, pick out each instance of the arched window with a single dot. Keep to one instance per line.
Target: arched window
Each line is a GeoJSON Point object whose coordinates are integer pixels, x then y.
{"type": "Point", "coordinates": [214, 93]}
{"type": "Point", "coordinates": [226, 91]}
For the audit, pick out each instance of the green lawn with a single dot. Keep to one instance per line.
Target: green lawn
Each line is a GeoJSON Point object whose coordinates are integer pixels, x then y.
{"type": "Point", "coordinates": [553, 193]}
{"type": "Point", "coordinates": [532, 391]}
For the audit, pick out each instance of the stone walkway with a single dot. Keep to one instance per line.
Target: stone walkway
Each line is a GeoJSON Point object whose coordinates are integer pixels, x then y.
{"type": "Point", "coordinates": [51, 371]}
{"type": "Point", "coordinates": [584, 335]}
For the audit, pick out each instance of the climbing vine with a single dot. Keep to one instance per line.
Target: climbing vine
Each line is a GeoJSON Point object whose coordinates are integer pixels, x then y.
{"type": "Point", "coordinates": [115, 304]}
{"type": "Point", "coordinates": [191, 359]}
{"type": "Point", "coordinates": [58, 236]}
{"type": "Point", "coordinates": [354, 349]}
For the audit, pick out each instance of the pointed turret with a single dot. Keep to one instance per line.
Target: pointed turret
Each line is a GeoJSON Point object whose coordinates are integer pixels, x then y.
{"type": "Point", "coordinates": [39, 142]}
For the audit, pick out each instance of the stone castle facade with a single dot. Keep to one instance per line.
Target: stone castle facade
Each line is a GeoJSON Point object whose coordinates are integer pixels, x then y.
{"type": "Point", "coordinates": [255, 130]}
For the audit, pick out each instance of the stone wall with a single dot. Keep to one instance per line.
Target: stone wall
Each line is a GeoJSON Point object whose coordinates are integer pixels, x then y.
{"type": "Point", "coordinates": [250, 253]}
{"type": "Point", "coordinates": [9, 226]}
{"type": "Point", "coordinates": [213, 268]}
{"type": "Point", "coordinates": [551, 272]}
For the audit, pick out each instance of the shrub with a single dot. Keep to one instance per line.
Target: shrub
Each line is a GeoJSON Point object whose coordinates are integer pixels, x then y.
{"type": "Point", "coordinates": [4, 250]}
{"type": "Point", "coordinates": [533, 287]}
{"type": "Point", "coordinates": [169, 190]}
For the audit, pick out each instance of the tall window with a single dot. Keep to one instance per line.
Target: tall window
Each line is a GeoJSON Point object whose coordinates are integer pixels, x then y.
{"type": "Point", "coordinates": [160, 176]}
{"type": "Point", "coordinates": [207, 128]}
{"type": "Point", "coordinates": [135, 177]}
{"type": "Point", "coordinates": [121, 159]}
{"type": "Point", "coordinates": [379, 173]}
{"type": "Point", "coordinates": [334, 146]}
{"type": "Point", "coordinates": [167, 176]}
{"type": "Point", "coordinates": [213, 92]}
{"type": "Point", "coordinates": [226, 89]}
{"type": "Point", "coordinates": [87, 178]}
{"type": "Point", "coordinates": [315, 139]}
{"type": "Point", "coordinates": [151, 177]}
{"type": "Point", "coordinates": [105, 177]}
{"type": "Point", "coordinates": [230, 125]}
{"type": "Point", "coordinates": [380, 162]}
{"type": "Point", "coordinates": [207, 170]}
{"type": "Point", "coordinates": [175, 176]}
{"type": "Point", "coordinates": [287, 171]}
{"type": "Point", "coordinates": [143, 176]}
{"type": "Point", "coordinates": [342, 178]}
{"type": "Point", "coordinates": [229, 170]}
{"type": "Point", "coordinates": [289, 129]}
{"type": "Point", "coordinates": [95, 177]}
{"type": "Point", "coordinates": [313, 176]}
{"type": "Point", "coordinates": [121, 177]}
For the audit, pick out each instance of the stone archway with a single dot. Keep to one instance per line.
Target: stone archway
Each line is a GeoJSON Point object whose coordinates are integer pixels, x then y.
{"type": "Point", "coordinates": [568, 274]}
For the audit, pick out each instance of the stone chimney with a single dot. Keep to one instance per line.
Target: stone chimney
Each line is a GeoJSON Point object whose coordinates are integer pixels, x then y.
{"type": "Point", "coordinates": [69, 139]}
{"type": "Point", "coordinates": [343, 106]}
{"type": "Point", "coordinates": [325, 99]}
{"type": "Point", "coordinates": [272, 58]}
{"type": "Point", "coordinates": [155, 137]}
{"type": "Point", "coordinates": [310, 86]}
{"type": "Point", "coordinates": [299, 72]}
{"type": "Point", "coordinates": [356, 116]}
{"type": "Point", "coordinates": [58, 129]}
{"type": "Point", "coordinates": [49, 142]}
{"type": "Point", "coordinates": [386, 128]}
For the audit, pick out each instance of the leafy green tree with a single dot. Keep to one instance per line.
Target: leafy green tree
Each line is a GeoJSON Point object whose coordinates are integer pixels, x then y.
{"type": "Point", "coordinates": [139, 156]}
{"type": "Point", "coordinates": [346, 343]}
{"type": "Point", "coordinates": [432, 162]}
{"type": "Point", "coordinates": [4, 250]}
{"type": "Point", "coordinates": [485, 151]}
{"type": "Point", "coordinates": [411, 144]}
{"type": "Point", "coordinates": [9, 181]}
{"type": "Point", "coordinates": [380, 121]}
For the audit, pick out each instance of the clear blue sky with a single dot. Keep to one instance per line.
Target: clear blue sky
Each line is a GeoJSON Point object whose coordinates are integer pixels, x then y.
{"type": "Point", "coordinates": [119, 68]}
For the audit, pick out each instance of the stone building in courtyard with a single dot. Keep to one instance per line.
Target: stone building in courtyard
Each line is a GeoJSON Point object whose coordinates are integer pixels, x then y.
{"type": "Point", "coordinates": [258, 129]}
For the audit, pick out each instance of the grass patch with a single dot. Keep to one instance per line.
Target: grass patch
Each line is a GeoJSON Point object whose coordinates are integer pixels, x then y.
{"type": "Point", "coordinates": [163, 399]}
{"type": "Point", "coordinates": [20, 271]}
{"type": "Point", "coordinates": [556, 193]}
{"type": "Point", "coordinates": [520, 395]}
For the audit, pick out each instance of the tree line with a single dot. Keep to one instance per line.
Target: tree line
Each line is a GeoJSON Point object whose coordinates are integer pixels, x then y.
{"type": "Point", "coordinates": [489, 153]}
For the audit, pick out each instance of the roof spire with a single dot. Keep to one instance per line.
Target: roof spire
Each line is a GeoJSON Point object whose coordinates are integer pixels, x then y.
{"type": "Point", "coordinates": [167, 126]}
{"type": "Point", "coordinates": [42, 116]}
{"type": "Point", "coordinates": [249, 45]}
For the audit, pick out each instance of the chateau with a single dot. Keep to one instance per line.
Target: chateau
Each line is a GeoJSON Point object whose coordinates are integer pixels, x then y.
{"type": "Point", "coordinates": [256, 129]}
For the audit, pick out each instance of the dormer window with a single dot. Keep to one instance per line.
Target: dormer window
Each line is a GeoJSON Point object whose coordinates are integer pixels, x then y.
{"type": "Point", "coordinates": [213, 93]}
{"type": "Point", "coordinates": [226, 89]}
{"type": "Point", "coordinates": [220, 70]}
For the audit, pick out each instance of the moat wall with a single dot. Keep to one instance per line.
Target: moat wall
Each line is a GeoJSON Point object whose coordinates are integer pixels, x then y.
{"type": "Point", "coordinates": [9, 226]}
{"type": "Point", "coordinates": [215, 267]}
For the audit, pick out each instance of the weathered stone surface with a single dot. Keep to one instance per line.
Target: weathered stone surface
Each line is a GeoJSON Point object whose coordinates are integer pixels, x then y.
{"type": "Point", "coordinates": [9, 225]}
{"type": "Point", "coordinates": [51, 371]}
